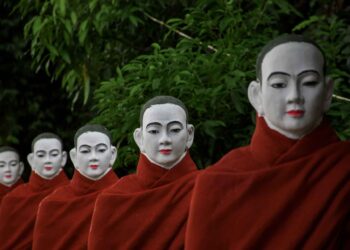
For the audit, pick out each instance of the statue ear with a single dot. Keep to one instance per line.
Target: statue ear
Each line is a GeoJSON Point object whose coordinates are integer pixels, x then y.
{"type": "Point", "coordinates": [190, 130]}
{"type": "Point", "coordinates": [30, 159]}
{"type": "Point", "coordinates": [254, 96]}
{"type": "Point", "coordinates": [64, 158]}
{"type": "Point", "coordinates": [114, 155]}
{"type": "Point", "coordinates": [329, 85]}
{"type": "Point", "coordinates": [138, 138]}
{"type": "Point", "coordinates": [73, 157]}
{"type": "Point", "coordinates": [21, 168]}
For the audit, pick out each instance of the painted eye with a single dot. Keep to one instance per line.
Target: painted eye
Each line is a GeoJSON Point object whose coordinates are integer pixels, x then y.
{"type": "Point", "coordinates": [175, 130]}
{"type": "Point", "coordinates": [40, 155]}
{"type": "Point", "coordinates": [278, 85]}
{"type": "Point", "coordinates": [102, 150]}
{"type": "Point", "coordinates": [2, 165]}
{"type": "Point", "coordinates": [310, 83]}
{"type": "Point", "coordinates": [153, 131]}
{"type": "Point", "coordinates": [84, 151]}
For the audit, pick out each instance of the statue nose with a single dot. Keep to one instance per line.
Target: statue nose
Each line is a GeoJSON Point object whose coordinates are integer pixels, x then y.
{"type": "Point", "coordinates": [165, 138]}
{"type": "Point", "coordinates": [93, 156]}
{"type": "Point", "coordinates": [294, 94]}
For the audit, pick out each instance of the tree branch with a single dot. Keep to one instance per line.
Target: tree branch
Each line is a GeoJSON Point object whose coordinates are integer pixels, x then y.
{"type": "Point", "coordinates": [341, 98]}
{"type": "Point", "coordinates": [180, 33]}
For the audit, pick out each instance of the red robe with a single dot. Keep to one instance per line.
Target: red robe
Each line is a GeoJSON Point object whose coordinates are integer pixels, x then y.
{"type": "Point", "coordinates": [64, 217]}
{"type": "Point", "coordinates": [276, 193]}
{"type": "Point", "coordinates": [19, 208]}
{"type": "Point", "coordinates": [146, 210]}
{"type": "Point", "coordinates": [4, 190]}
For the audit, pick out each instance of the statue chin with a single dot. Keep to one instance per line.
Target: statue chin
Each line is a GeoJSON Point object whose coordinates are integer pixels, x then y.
{"type": "Point", "coordinates": [94, 177]}
{"type": "Point", "coordinates": [48, 177]}
{"type": "Point", "coordinates": [166, 166]}
{"type": "Point", "coordinates": [292, 134]}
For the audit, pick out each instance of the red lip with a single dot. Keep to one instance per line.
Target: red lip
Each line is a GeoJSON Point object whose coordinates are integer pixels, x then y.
{"type": "Point", "coordinates": [48, 168]}
{"type": "Point", "coordinates": [296, 113]}
{"type": "Point", "coordinates": [8, 176]}
{"type": "Point", "coordinates": [165, 151]}
{"type": "Point", "coordinates": [93, 166]}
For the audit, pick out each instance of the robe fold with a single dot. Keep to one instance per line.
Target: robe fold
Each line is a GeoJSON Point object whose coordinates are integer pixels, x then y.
{"type": "Point", "coordinates": [4, 190]}
{"type": "Point", "coordinates": [276, 193]}
{"type": "Point", "coordinates": [19, 208]}
{"type": "Point", "coordinates": [146, 210]}
{"type": "Point", "coordinates": [64, 217]}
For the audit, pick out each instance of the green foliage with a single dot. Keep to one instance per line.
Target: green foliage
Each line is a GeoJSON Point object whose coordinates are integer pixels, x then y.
{"type": "Point", "coordinates": [78, 41]}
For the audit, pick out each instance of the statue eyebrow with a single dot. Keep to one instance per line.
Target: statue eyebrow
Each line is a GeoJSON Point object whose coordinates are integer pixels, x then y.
{"type": "Point", "coordinates": [277, 73]}
{"type": "Point", "coordinates": [309, 71]}
{"type": "Point", "coordinates": [88, 146]}
{"type": "Point", "coordinates": [175, 123]}
{"type": "Point", "coordinates": [153, 123]}
{"type": "Point", "coordinates": [84, 145]}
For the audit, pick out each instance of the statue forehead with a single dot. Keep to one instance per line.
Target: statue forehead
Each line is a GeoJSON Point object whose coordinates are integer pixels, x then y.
{"type": "Point", "coordinates": [92, 137]}
{"type": "Point", "coordinates": [47, 144]}
{"type": "Point", "coordinates": [293, 57]}
{"type": "Point", "coordinates": [166, 111]}
{"type": "Point", "coordinates": [9, 154]}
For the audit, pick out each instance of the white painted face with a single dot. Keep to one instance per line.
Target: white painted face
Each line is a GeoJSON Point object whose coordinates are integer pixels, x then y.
{"type": "Point", "coordinates": [293, 95]}
{"type": "Point", "coordinates": [10, 168]}
{"type": "Point", "coordinates": [93, 156]}
{"type": "Point", "coordinates": [165, 134]}
{"type": "Point", "coordinates": [48, 158]}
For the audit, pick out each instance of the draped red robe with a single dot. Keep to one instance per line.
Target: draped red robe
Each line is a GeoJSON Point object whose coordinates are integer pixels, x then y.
{"type": "Point", "coordinates": [64, 217]}
{"type": "Point", "coordinates": [4, 190]}
{"type": "Point", "coordinates": [18, 211]}
{"type": "Point", "coordinates": [146, 210]}
{"type": "Point", "coordinates": [276, 193]}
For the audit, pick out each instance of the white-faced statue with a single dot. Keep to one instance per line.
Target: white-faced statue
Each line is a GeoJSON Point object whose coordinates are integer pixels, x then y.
{"type": "Point", "coordinates": [292, 92]}
{"type": "Point", "coordinates": [93, 155]}
{"type": "Point", "coordinates": [164, 134]}
{"type": "Point", "coordinates": [47, 157]}
{"type": "Point", "coordinates": [11, 168]}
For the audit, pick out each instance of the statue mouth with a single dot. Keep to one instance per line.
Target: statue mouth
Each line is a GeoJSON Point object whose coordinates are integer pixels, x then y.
{"type": "Point", "coordinates": [165, 151]}
{"type": "Point", "coordinates": [48, 168]}
{"type": "Point", "coordinates": [296, 113]}
{"type": "Point", "coordinates": [93, 166]}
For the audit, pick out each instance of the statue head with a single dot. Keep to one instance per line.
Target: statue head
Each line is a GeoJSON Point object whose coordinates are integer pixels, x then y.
{"type": "Point", "coordinates": [93, 154]}
{"type": "Point", "coordinates": [291, 91]}
{"type": "Point", "coordinates": [164, 134]}
{"type": "Point", "coordinates": [11, 168]}
{"type": "Point", "coordinates": [47, 157]}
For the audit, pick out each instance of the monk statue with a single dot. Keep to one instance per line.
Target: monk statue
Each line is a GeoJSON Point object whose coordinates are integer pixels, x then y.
{"type": "Point", "coordinates": [19, 208]}
{"type": "Point", "coordinates": [11, 169]}
{"type": "Point", "coordinates": [149, 209]}
{"type": "Point", "coordinates": [289, 188]}
{"type": "Point", "coordinates": [67, 211]}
